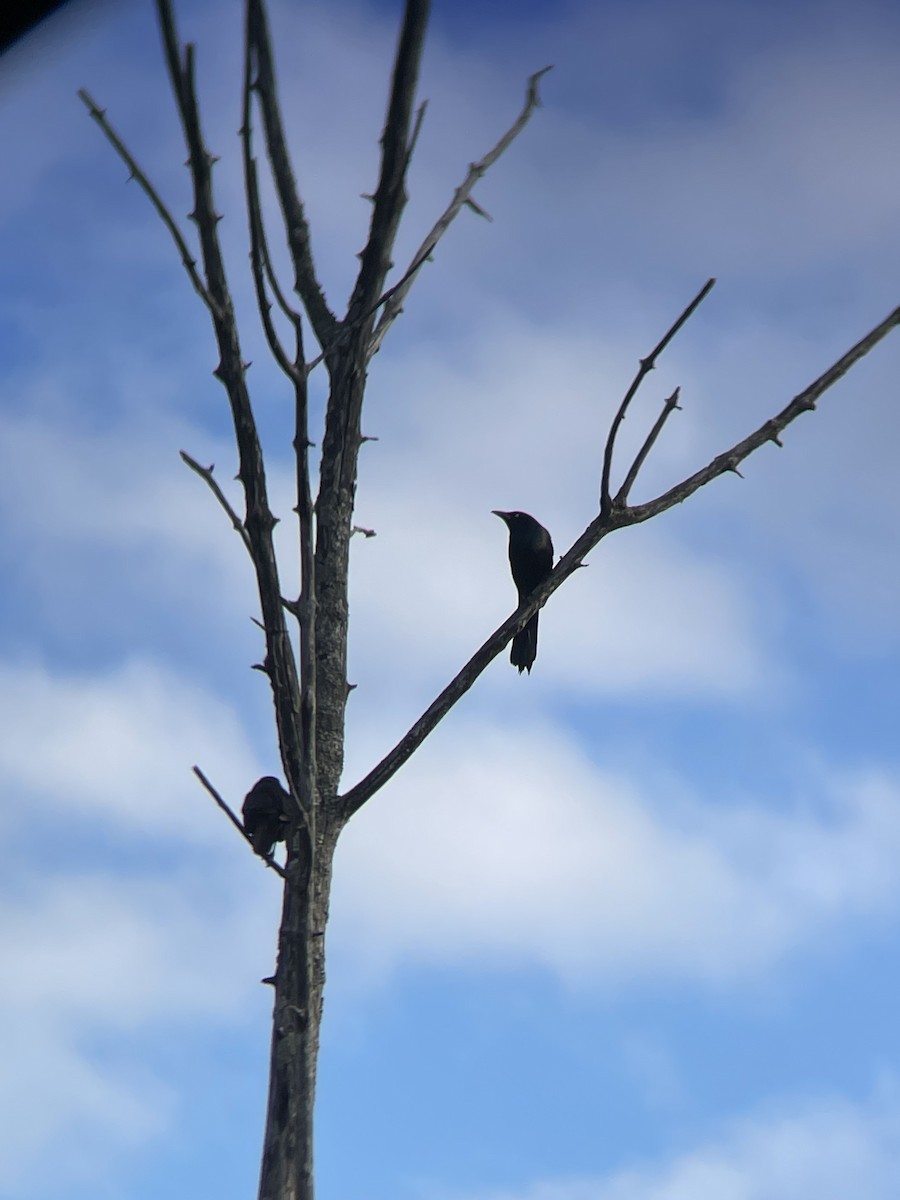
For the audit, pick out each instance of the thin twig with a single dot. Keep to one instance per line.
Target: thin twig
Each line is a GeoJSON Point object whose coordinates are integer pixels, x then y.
{"type": "Point", "coordinates": [206, 474]}
{"type": "Point", "coordinates": [669, 407]}
{"type": "Point", "coordinates": [392, 300]}
{"type": "Point", "coordinates": [398, 139]}
{"type": "Point", "coordinates": [306, 283]}
{"type": "Point", "coordinates": [258, 249]}
{"type": "Point", "coordinates": [645, 367]}
{"type": "Point", "coordinates": [254, 205]}
{"type": "Point", "coordinates": [417, 129]}
{"type": "Point", "coordinates": [267, 858]}
{"type": "Point", "coordinates": [187, 258]}
{"type": "Point", "coordinates": [258, 270]}
{"type": "Point", "coordinates": [277, 291]}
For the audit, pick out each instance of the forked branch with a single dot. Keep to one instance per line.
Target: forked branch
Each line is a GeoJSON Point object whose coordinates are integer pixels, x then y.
{"type": "Point", "coordinates": [769, 431]}
{"type": "Point", "coordinates": [392, 300]}
{"type": "Point", "coordinates": [644, 368]}
{"type": "Point", "coordinates": [616, 517]}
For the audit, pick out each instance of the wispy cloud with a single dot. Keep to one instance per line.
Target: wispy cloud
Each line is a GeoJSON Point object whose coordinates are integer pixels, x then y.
{"type": "Point", "coordinates": [501, 847]}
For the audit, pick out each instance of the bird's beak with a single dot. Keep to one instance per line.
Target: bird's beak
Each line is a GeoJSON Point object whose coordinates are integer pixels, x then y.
{"type": "Point", "coordinates": [501, 515]}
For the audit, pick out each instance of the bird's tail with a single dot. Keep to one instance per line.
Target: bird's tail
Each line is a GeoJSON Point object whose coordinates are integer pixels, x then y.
{"type": "Point", "coordinates": [524, 646]}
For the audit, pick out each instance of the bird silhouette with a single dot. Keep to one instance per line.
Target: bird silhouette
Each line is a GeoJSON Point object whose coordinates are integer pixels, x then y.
{"type": "Point", "coordinates": [265, 814]}
{"type": "Point", "coordinates": [531, 561]}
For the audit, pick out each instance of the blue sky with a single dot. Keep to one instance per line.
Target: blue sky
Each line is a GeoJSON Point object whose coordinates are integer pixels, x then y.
{"type": "Point", "coordinates": [623, 930]}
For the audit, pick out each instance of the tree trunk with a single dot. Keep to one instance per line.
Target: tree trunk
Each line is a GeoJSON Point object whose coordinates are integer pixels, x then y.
{"type": "Point", "coordinates": [287, 1162]}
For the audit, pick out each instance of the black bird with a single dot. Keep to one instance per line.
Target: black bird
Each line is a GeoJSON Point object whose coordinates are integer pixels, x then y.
{"type": "Point", "coordinates": [531, 561]}
{"type": "Point", "coordinates": [265, 814]}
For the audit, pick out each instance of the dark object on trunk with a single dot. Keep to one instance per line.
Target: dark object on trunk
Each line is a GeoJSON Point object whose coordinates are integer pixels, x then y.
{"type": "Point", "coordinates": [265, 814]}
{"type": "Point", "coordinates": [531, 561]}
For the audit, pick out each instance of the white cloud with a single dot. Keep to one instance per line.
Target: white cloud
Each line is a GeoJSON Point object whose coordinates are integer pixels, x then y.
{"type": "Point", "coordinates": [496, 848]}
{"type": "Point", "coordinates": [139, 944]}
{"type": "Point", "coordinates": [99, 956]}
{"type": "Point", "coordinates": [119, 749]}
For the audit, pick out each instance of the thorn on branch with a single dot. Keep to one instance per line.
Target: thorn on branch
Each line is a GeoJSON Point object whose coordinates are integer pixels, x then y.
{"type": "Point", "coordinates": [368, 533]}
{"type": "Point", "coordinates": [367, 437]}
{"type": "Point", "coordinates": [350, 688]}
{"type": "Point", "coordinates": [476, 208]}
{"type": "Point", "coordinates": [258, 623]}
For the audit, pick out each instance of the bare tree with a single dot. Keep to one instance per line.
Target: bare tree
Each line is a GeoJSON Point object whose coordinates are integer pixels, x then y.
{"type": "Point", "coordinates": [306, 636]}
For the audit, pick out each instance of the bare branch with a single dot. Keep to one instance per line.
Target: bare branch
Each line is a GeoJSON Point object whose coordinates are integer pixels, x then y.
{"type": "Point", "coordinates": [206, 474]}
{"type": "Point", "coordinates": [187, 258]}
{"type": "Point", "coordinates": [259, 521]}
{"type": "Point", "coordinates": [486, 653]}
{"type": "Point", "coordinates": [646, 366]}
{"type": "Point", "coordinates": [397, 144]}
{"type": "Point", "coordinates": [306, 283]}
{"type": "Point", "coordinates": [417, 129]}
{"type": "Point", "coordinates": [669, 407]}
{"type": "Point", "coordinates": [770, 430]}
{"type": "Point", "coordinates": [602, 525]}
{"type": "Point", "coordinates": [260, 265]}
{"type": "Point", "coordinates": [306, 610]}
{"type": "Point", "coordinates": [172, 51]}
{"type": "Point", "coordinates": [393, 298]}
{"type": "Point", "coordinates": [267, 858]}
